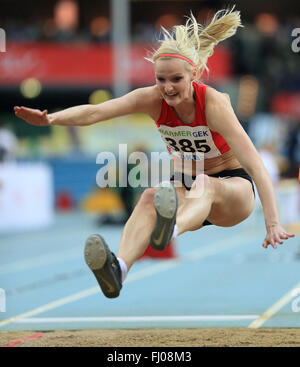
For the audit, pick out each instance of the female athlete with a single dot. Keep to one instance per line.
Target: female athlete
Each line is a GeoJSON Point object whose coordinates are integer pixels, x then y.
{"type": "Point", "coordinates": [194, 120]}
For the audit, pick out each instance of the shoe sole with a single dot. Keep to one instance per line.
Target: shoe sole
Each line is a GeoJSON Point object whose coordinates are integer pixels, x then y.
{"type": "Point", "coordinates": [97, 254]}
{"type": "Point", "coordinates": [165, 204]}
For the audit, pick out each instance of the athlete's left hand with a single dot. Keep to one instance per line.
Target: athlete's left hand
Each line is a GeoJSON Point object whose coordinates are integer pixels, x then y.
{"type": "Point", "coordinates": [276, 234]}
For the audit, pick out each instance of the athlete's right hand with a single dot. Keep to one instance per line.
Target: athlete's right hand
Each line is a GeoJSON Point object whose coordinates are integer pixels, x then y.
{"type": "Point", "coordinates": [33, 116]}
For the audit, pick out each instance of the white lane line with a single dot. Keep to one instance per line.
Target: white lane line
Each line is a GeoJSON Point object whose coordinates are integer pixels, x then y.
{"type": "Point", "coordinates": [52, 305]}
{"type": "Point", "coordinates": [130, 319]}
{"type": "Point", "coordinates": [202, 252]}
{"type": "Point", "coordinates": [271, 311]}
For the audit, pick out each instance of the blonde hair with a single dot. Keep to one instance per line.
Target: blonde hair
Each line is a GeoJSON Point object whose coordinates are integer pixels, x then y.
{"type": "Point", "coordinates": [195, 41]}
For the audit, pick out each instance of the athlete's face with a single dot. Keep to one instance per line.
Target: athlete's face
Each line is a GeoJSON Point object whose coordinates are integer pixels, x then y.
{"type": "Point", "coordinates": [174, 80]}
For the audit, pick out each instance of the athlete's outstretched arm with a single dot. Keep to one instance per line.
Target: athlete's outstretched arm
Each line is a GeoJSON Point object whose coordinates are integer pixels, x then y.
{"type": "Point", "coordinates": [137, 101]}
{"type": "Point", "coordinates": [222, 119]}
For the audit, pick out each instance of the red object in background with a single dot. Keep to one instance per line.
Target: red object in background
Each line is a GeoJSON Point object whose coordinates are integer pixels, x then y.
{"type": "Point", "coordinates": [64, 201]}
{"type": "Point", "coordinates": [219, 65]}
{"type": "Point", "coordinates": [286, 103]}
{"type": "Point", "coordinates": [167, 253]}
{"type": "Point", "coordinates": [87, 64]}
{"type": "Point", "coordinates": [56, 64]}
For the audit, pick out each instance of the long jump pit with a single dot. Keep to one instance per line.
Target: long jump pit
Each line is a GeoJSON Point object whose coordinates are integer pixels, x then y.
{"type": "Point", "coordinates": [197, 337]}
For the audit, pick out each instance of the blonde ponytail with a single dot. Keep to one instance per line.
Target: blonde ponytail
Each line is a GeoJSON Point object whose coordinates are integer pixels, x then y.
{"type": "Point", "coordinates": [197, 42]}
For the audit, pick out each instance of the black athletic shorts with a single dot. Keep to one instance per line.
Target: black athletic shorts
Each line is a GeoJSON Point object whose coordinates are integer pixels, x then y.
{"type": "Point", "coordinates": [185, 179]}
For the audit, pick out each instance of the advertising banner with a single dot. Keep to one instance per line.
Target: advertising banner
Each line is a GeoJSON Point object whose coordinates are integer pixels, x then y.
{"type": "Point", "coordinates": [87, 64]}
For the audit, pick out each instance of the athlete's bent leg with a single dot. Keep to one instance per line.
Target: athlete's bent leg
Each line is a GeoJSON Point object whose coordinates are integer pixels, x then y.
{"type": "Point", "coordinates": [235, 204]}
{"type": "Point", "coordinates": [223, 202]}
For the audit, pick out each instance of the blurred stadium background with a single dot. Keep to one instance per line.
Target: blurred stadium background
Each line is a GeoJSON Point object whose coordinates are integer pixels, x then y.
{"type": "Point", "coordinates": [69, 52]}
{"type": "Point", "coordinates": [61, 53]}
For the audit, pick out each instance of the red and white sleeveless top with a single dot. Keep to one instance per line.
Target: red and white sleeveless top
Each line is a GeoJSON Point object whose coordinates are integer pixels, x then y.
{"type": "Point", "coordinates": [193, 141]}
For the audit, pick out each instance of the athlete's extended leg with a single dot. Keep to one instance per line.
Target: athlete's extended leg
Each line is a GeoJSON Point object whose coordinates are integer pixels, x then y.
{"type": "Point", "coordinates": [136, 233]}
{"type": "Point", "coordinates": [106, 267]}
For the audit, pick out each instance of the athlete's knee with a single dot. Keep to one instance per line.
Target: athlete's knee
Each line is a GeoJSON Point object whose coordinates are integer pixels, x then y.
{"type": "Point", "coordinates": [202, 184]}
{"type": "Point", "coordinates": [147, 197]}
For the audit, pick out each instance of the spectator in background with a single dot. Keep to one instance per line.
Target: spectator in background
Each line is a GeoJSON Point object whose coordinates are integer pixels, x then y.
{"type": "Point", "coordinates": [8, 144]}
{"type": "Point", "coordinates": [293, 149]}
{"type": "Point", "coordinates": [267, 153]}
{"type": "Point", "coordinates": [268, 156]}
{"type": "Point", "coordinates": [266, 128]}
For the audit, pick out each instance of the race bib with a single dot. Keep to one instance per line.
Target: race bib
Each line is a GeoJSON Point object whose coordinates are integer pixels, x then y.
{"type": "Point", "coordinates": [188, 142]}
